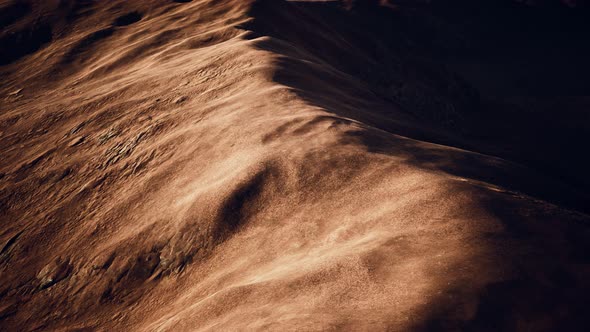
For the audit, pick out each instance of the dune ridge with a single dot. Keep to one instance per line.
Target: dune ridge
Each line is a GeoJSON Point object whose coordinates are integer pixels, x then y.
{"type": "Point", "coordinates": [191, 165]}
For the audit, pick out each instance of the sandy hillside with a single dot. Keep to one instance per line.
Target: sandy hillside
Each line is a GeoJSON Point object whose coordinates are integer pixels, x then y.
{"type": "Point", "coordinates": [234, 165]}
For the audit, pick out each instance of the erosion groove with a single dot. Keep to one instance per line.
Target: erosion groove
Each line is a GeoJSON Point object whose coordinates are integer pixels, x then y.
{"type": "Point", "coordinates": [127, 19]}
{"type": "Point", "coordinates": [13, 12]}
{"type": "Point", "coordinates": [18, 44]}
{"type": "Point", "coordinates": [87, 42]}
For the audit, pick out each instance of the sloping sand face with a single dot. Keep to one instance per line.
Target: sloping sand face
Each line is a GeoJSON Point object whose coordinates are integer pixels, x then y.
{"type": "Point", "coordinates": [166, 168]}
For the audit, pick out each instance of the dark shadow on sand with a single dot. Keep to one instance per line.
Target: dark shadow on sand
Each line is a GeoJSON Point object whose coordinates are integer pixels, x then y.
{"type": "Point", "coordinates": [393, 89]}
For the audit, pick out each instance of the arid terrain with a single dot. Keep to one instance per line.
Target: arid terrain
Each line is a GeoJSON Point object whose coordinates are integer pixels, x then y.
{"type": "Point", "coordinates": [243, 165]}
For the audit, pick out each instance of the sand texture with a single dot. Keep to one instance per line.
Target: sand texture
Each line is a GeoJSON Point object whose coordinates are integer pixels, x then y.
{"type": "Point", "coordinates": [235, 165]}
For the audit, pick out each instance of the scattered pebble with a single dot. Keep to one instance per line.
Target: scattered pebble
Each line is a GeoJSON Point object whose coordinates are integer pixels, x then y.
{"type": "Point", "coordinates": [180, 100]}
{"type": "Point", "coordinates": [15, 92]}
{"type": "Point", "coordinates": [77, 141]}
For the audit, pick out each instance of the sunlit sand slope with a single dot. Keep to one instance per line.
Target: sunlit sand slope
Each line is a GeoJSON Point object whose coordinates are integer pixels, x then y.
{"type": "Point", "coordinates": [174, 165]}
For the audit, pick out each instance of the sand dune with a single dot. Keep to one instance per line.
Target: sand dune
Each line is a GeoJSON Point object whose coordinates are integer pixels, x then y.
{"type": "Point", "coordinates": [234, 165]}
